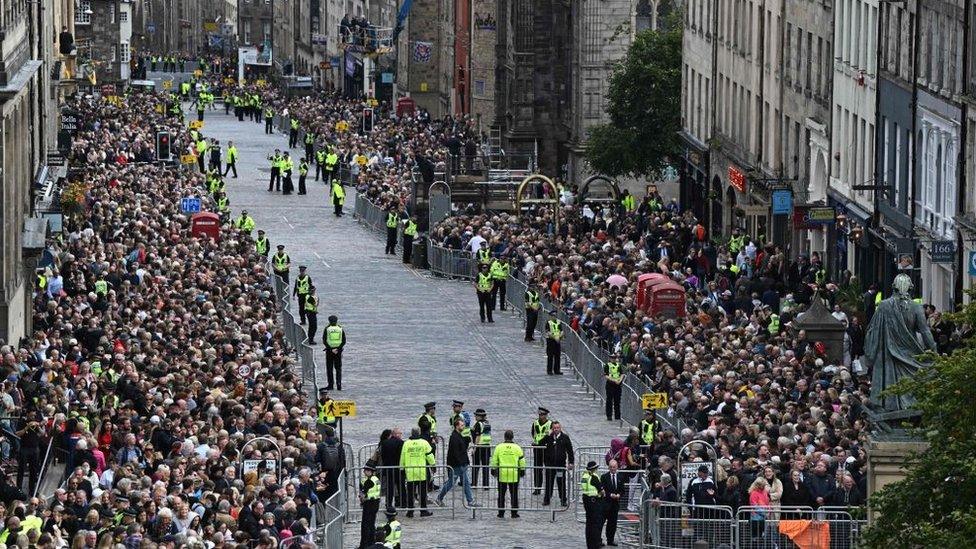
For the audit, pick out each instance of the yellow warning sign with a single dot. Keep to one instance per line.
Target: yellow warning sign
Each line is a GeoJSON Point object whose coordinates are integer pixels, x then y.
{"type": "Point", "coordinates": [654, 401]}
{"type": "Point", "coordinates": [340, 408]}
{"type": "Point", "coordinates": [196, 124]}
{"type": "Point", "coordinates": [188, 159]}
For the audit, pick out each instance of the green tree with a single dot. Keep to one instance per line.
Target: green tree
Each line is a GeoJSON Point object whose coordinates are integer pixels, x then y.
{"type": "Point", "coordinates": [644, 104]}
{"type": "Point", "coordinates": [935, 505]}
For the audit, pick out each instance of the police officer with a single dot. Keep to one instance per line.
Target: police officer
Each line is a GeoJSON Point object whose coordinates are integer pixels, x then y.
{"type": "Point", "coordinates": [215, 156]}
{"type": "Point", "coordinates": [245, 223]}
{"type": "Point", "coordinates": [613, 373]}
{"type": "Point", "coordinates": [508, 465]}
{"type": "Point", "coordinates": [287, 165]}
{"type": "Point", "coordinates": [533, 303]}
{"type": "Point", "coordinates": [309, 143]}
{"type": "Point", "coordinates": [293, 132]}
{"type": "Point", "coordinates": [281, 262]}
{"type": "Point", "coordinates": [320, 156]}
{"type": "Point", "coordinates": [311, 313]}
{"type": "Point", "coordinates": [483, 286]}
{"type": "Point", "coordinates": [231, 159]}
{"type": "Point", "coordinates": [275, 183]}
{"type": "Point", "coordinates": [369, 499]}
{"type": "Point", "coordinates": [335, 342]}
{"type": "Point", "coordinates": [554, 334]}
{"type": "Point", "coordinates": [390, 533]}
{"type": "Point", "coordinates": [540, 430]}
{"type": "Point", "coordinates": [592, 493]}
{"type": "Point", "coordinates": [648, 427]}
{"type": "Point", "coordinates": [201, 148]}
{"type": "Point", "coordinates": [481, 437]}
{"type": "Point", "coordinates": [483, 254]}
{"type": "Point", "coordinates": [409, 232]}
{"type": "Point", "coordinates": [458, 414]}
{"type": "Point", "coordinates": [392, 220]}
{"type": "Point", "coordinates": [268, 120]}
{"type": "Point", "coordinates": [302, 174]}
{"type": "Point", "coordinates": [261, 244]}
{"type": "Point", "coordinates": [499, 275]}
{"type": "Point", "coordinates": [302, 284]}
{"type": "Point", "coordinates": [338, 197]}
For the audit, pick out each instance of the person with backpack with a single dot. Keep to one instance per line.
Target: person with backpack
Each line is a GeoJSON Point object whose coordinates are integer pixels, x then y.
{"type": "Point", "coordinates": [331, 457]}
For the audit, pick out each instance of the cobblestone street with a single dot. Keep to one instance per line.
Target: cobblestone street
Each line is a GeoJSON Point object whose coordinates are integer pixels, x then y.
{"type": "Point", "coordinates": [412, 339]}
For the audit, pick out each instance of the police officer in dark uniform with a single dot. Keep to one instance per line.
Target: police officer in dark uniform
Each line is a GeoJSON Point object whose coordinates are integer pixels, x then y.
{"type": "Point", "coordinates": [392, 222]}
{"type": "Point", "coordinates": [483, 285]}
{"type": "Point", "coordinates": [280, 262]}
{"type": "Point", "coordinates": [261, 244]}
{"type": "Point", "coordinates": [334, 337]}
{"type": "Point", "coordinates": [481, 437]}
{"type": "Point", "coordinates": [311, 309]}
{"type": "Point", "coordinates": [428, 430]}
{"type": "Point", "coordinates": [302, 284]}
{"type": "Point", "coordinates": [369, 498]}
{"type": "Point", "coordinates": [613, 373]}
{"type": "Point", "coordinates": [554, 335]}
{"type": "Point", "coordinates": [533, 303]}
{"type": "Point", "coordinates": [275, 182]}
{"type": "Point", "coordinates": [592, 493]}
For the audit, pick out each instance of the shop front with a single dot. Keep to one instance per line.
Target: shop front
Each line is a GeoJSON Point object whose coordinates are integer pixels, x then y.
{"type": "Point", "coordinates": [694, 192]}
{"type": "Point", "coordinates": [851, 242]}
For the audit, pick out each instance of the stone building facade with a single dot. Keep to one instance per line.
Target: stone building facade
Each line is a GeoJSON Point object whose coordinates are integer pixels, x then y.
{"type": "Point", "coordinates": [104, 37]}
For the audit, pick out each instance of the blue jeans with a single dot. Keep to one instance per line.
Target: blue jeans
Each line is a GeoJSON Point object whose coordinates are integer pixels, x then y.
{"type": "Point", "coordinates": [452, 475]}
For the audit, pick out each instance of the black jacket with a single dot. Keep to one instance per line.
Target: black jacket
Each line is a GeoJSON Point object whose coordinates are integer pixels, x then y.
{"type": "Point", "coordinates": [606, 480]}
{"type": "Point", "coordinates": [457, 450]}
{"type": "Point", "coordinates": [558, 451]}
{"type": "Point", "coordinates": [697, 493]}
{"type": "Point", "coordinates": [795, 495]}
{"type": "Point", "coordinates": [390, 451]}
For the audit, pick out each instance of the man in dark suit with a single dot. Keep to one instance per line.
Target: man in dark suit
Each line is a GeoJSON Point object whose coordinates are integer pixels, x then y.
{"type": "Point", "coordinates": [393, 484]}
{"type": "Point", "coordinates": [614, 487]}
{"type": "Point", "coordinates": [559, 462]}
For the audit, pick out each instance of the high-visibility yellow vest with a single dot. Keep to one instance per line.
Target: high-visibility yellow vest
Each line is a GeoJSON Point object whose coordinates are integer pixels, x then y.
{"type": "Point", "coordinates": [101, 287]}
{"type": "Point", "coordinates": [628, 203]}
{"type": "Point", "coordinates": [302, 284]}
{"type": "Point", "coordinates": [540, 430]}
{"type": "Point", "coordinates": [586, 486]}
{"type": "Point", "coordinates": [499, 270]}
{"type": "Point", "coordinates": [320, 157]}
{"type": "Point", "coordinates": [613, 371]}
{"type": "Point", "coordinates": [294, 123]}
{"type": "Point", "coordinates": [773, 324]}
{"type": "Point", "coordinates": [647, 432]}
{"type": "Point", "coordinates": [338, 192]}
{"type": "Point", "coordinates": [231, 154]}
{"type": "Point", "coordinates": [433, 423]}
{"type": "Point", "coordinates": [374, 490]}
{"type": "Point", "coordinates": [485, 282]}
{"type": "Point", "coordinates": [877, 298]}
{"type": "Point", "coordinates": [333, 336]}
{"type": "Point", "coordinates": [261, 245]}
{"type": "Point", "coordinates": [392, 219]}
{"type": "Point", "coordinates": [532, 300]}
{"type": "Point", "coordinates": [312, 303]}
{"type": "Point", "coordinates": [411, 229]}
{"type": "Point", "coordinates": [484, 255]}
{"type": "Point", "coordinates": [280, 262]}
{"type": "Point", "coordinates": [508, 459]}
{"type": "Point", "coordinates": [555, 330]}
{"type": "Point", "coordinates": [393, 538]}
{"type": "Point", "coordinates": [485, 437]}
{"type": "Point", "coordinates": [41, 282]}
{"type": "Point", "coordinates": [324, 418]}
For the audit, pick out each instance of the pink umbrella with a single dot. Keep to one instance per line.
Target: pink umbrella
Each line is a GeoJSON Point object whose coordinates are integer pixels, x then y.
{"type": "Point", "coordinates": [616, 280]}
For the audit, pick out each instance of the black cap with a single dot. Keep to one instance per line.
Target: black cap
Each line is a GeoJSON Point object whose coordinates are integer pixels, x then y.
{"type": "Point", "coordinates": [543, 410]}
{"type": "Point", "coordinates": [370, 464]}
{"type": "Point", "coordinates": [430, 405]}
{"type": "Point", "coordinates": [333, 318]}
{"type": "Point", "coordinates": [703, 469]}
{"type": "Point", "coordinates": [260, 231]}
{"type": "Point", "coordinates": [457, 403]}
{"type": "Point", "coordinates": [302, 267]}
{"type": "Point", "coordinates": [391, 513]}
{"type": "Point", "coordinates": [648, 410]}
{"type": "Point", "coordinates": [591, 466]}
{"type": "Point", "coordinates": [480, 412]}
{"type": "Point", "coordinates": [281, 246]}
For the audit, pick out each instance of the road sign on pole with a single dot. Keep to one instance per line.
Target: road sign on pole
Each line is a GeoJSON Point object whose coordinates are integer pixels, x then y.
{"type": "Point", "coordinates": [190, 204]}
{"type": "Point", "coordinates": [340, 408]}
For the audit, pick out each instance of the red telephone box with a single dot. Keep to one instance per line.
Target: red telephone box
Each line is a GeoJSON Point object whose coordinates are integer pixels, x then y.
{"type": "Point", "coordinates": [405, 106]}
{"type": "Point", "coordinates": [645, 281]}
{"type": "Point", "coordinates": [668, 299]}
{"type": "Point", "coordinates": [205, 224]}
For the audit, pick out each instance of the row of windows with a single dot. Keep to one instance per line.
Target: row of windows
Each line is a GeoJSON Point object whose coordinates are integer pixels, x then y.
{"type": "Point", "coordinates": [806, 70]}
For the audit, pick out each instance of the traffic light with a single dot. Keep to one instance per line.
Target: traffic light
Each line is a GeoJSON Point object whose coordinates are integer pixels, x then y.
{"type": "Point", "coordinates": [163, 151]}
{"type": "Point", "coordinates": [367, 120]}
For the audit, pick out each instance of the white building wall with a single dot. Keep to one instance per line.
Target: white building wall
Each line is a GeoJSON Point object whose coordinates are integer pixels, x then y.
{"type": "Point", "coordinates": [696, 70]}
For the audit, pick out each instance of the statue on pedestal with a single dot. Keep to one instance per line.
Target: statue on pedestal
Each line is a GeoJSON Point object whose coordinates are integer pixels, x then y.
{"type": "Point", "coordinates": [892, 345]}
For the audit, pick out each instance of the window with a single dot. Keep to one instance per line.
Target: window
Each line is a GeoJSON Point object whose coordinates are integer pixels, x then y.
{"type": "Point", "coordinates": [479, 87]}
{"type": "Point", "coordinates": [123, 17]}
{"type": "Point", "coordinates": [247, 31]}
{"type": "Point", "coordinates": [124, 51]}
{"type": "Point", "coordinates": [83, 13]}
{"type": "Point", "coordinates": [111, 12]}
{"type": "Point", "coordinates": [266, 31]}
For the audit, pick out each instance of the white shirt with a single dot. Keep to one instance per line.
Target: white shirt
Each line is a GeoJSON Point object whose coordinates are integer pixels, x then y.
{"type": "Point", "coordinates": [475, 243]}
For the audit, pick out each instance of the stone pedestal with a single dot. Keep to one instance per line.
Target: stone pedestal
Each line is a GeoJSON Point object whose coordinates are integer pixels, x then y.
{"type": "Point", "coordinates": [820, 325]}
{"type": "Point", "coordinates": [888, 456]}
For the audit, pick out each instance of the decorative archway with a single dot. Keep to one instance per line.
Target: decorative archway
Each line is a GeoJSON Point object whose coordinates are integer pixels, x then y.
{"type": "Point", "coordinates": [609, 186]}
{"type": "Point", "coordinates": [730, 200]}
{"type": "Point", "coordinates": [552, 202]}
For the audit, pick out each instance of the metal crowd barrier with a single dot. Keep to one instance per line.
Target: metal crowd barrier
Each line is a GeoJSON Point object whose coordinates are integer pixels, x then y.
{"type": "Point", "coordinates": [395, 476]}
{"type": "Point", "coordinates": [332, 517]}
{"type": "Point", "coordinates": [531, 499]}
{"type": "Point", "coordinates": [451, 263]}
{"type": "Point", "coordinates": [666, 525]}
{"type": "Point", "coordinates": [296, 337]}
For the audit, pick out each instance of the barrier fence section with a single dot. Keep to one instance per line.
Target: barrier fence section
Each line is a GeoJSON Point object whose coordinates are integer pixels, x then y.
{"type": "Point", "coordinates": [333, 513]}
{"type": "Point", "coordinates": [450, 263]}
{"type": "Point", "coordinates": [666, 525]}
{"type": "Point", "coordinates": [374, 218]}
{"type": "Point", "coordinates": [296, 337]}
{"type": "Point", "coordinates": [407, 497]}
{"type": "Point", "coordinates": [537, 490]}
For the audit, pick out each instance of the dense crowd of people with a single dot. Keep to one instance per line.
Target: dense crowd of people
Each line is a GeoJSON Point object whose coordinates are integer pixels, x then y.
{"type": "Point", "coordinates": [155, 363]}
{"type": "Point", "coordinates": [738, 371]}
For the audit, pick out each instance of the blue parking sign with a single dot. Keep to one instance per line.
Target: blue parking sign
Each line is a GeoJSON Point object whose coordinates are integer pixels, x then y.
{"type": "Point", "coordinates": [190, 204]}
{"type": "Point", "coordinates": [972, 263]}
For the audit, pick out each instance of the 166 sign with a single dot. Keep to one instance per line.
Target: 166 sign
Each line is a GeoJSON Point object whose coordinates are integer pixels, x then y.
{"type": "Point", "coordinates": [737, 179]}
{"type": "Point", "coordinates": [943, 251]}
